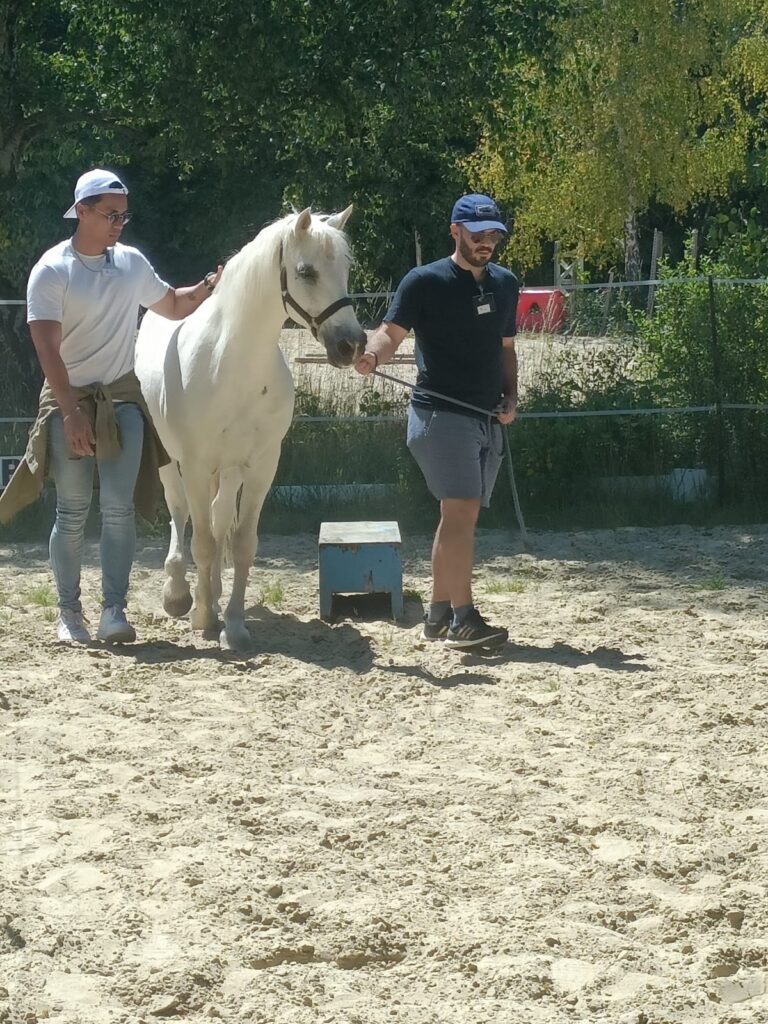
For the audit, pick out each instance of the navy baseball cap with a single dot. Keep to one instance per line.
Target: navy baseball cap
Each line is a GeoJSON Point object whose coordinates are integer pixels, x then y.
{"type": "Point", "coordinates": [478, 213]}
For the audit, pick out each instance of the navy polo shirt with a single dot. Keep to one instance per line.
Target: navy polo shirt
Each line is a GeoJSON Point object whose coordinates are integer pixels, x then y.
{"type": "Point", "coordinates": [458, 350]}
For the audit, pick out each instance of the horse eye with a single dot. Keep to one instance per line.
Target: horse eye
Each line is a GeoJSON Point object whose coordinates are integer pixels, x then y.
{"type": "Point", "coordinates": [307, 272]}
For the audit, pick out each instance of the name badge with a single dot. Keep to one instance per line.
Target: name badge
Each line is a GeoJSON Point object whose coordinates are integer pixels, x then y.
{"type": "Point", "coordinates": [484, 304]}
{"type": "Point", "coordinates": [109, 265]}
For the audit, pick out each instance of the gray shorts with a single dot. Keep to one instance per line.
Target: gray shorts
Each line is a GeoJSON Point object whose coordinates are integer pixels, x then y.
{"type": "Point", "coordinates": [459, 455]}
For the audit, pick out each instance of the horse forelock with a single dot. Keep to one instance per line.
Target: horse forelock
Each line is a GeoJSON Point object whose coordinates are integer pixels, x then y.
{"type": "Point", "coordinates": [254, 265]}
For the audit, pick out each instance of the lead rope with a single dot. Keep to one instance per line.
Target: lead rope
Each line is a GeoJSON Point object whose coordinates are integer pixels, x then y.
{"type": "Point", "coordinates": [485, 412]}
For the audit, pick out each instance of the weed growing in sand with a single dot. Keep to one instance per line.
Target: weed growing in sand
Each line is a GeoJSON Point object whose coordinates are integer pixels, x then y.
{"type": "Point", "coordinates": [386, 638]}
{"type": "Point", "coordinates": [528, 570]}
{"type": "Point", "coordinates": [504, 587]}
{"type": "Point", "coordinates": [412, 594]}
{"type": "Point", "coordinates": [50, 614]}
{"type": "Point", "coordinates": [41, 595]}
{"type": "Point", "coordinates": [272, 594]}
{"type": "Point", "coordinates": [716, 582]}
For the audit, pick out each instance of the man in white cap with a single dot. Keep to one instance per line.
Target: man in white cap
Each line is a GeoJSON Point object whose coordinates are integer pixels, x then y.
{"type": "Point", "coordinates": [463, 310]}
{"type": "Point", "coordinates": [83, 301]}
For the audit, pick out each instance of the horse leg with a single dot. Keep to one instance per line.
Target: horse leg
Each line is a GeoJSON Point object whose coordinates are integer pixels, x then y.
{"type": "Point", "coordinates": [177, 600]}
{"type": "Point", "coordinates": [244, 544]}
{"type": "Point", "coordinates": [223, 515]}
{"type": "Point", "coordinates": [197, 484]}
{"type": "Point", "coordinates": [216, 516]}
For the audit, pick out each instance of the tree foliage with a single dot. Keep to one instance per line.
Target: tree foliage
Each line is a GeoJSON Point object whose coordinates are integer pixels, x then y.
{"type": "Point", "coordinates": [638, 102]}
{"type": "Point", "coordinates": [220, 115]}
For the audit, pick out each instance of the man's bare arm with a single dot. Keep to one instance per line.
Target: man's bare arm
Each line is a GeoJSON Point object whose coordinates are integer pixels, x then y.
{"type": "Point", "coordinates": [508, 409]}
{"type": "Point", "coordinates": [180, 302]}
{"type": "Point", "coordinates": [381, 346]}
{"type": "Point", "coordinates": [46, 337]}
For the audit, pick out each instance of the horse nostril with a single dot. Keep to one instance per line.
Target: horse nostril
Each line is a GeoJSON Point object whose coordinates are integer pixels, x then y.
{"type": "Point", "coordinates": [345, 350]}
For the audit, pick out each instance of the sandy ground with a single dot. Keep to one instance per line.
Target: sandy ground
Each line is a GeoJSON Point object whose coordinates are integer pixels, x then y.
{"type": "Point", "coordinates": [350, 825]}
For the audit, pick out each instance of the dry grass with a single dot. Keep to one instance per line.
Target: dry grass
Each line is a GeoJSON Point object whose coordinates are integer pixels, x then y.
{"type": "Point", "coordinates": [344, 390]}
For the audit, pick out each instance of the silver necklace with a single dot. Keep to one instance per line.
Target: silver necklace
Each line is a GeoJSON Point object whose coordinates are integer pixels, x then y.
{"type": "Point", "coordinates": [92, 270]}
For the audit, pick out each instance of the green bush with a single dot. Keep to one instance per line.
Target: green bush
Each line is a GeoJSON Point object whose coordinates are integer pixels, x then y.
{"type": "Point", "coordinates": [702, 346]}
{"type": "Point", "coordinates": [597, 313]}
{"type": "Point", "coordinates": [20, 379]}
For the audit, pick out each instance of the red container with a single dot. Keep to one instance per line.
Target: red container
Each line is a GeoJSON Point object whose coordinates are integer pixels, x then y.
{"type": "Point", "coordinates": [541, 309]}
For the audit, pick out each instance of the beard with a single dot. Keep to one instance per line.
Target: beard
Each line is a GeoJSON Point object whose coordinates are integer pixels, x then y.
{"type": "Point", "coordinates": [473, 258]}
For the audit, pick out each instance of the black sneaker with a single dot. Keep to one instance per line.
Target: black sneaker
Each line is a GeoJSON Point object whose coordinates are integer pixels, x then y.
{"type": "Point", "coordinates": [474, 631]}
{"type": "Point", "coordinates": [437, 630]}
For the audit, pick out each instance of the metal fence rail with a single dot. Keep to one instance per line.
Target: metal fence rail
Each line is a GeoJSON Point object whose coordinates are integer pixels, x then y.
{"type": "Point", "coordinates": [598, 319]}
{"type": "Point", "coordinates": [541, 414]}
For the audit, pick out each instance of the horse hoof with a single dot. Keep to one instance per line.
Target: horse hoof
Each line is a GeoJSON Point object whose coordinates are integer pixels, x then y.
{"type": "Point", "coordinates": [175, 604]}
{"type": "Point", "coordinates": [202, 620]}
{"type": "Point", "coordinates": [235, 638]}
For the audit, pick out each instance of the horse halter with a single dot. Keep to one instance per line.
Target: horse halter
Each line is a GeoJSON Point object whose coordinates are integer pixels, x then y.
{"type": "Point", "coordinates": [312, 322]}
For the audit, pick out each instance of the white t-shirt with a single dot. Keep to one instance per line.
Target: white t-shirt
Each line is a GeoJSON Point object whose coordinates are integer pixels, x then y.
{"type": "Point", "coordinates": [96, 300]}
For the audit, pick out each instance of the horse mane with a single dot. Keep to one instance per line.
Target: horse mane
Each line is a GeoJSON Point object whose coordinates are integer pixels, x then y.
{"type": "Point", "coordinates": [252, 271]}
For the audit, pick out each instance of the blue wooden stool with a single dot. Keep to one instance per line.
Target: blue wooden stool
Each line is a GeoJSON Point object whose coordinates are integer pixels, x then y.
{"type": "Point", "coordinates": [360, 558]}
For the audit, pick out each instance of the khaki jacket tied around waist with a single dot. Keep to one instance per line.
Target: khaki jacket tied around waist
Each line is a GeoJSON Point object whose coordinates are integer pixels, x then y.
{"type": "Point", "coordinates": [96, 401]}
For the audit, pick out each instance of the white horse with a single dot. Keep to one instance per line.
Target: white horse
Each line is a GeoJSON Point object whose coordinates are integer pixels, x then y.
{"type": "Point", "coordinates": [221, 397]}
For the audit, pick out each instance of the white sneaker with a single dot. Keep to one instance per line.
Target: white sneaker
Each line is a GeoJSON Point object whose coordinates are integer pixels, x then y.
{"type": "Point", "coordinates": [114, 628]}
{"type": "Point", "coordinates": [71, 628]}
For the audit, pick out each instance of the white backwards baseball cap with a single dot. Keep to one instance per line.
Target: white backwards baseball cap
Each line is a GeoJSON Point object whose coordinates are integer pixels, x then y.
{"type": "Point", "coordinates": [97, 182]}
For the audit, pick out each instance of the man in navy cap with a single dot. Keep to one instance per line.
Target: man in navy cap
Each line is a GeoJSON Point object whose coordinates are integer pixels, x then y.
{"type": "Point", "coordinates": [462, 309]}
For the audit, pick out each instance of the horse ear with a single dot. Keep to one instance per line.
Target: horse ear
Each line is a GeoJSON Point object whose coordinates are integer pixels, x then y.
{"type": "Point", "coordinates": [303, 220]}
{"type": "Point", "coordinates": [338, 220]}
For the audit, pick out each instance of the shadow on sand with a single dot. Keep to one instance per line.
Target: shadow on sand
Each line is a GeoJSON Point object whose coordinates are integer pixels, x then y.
{"type": "Point", "coordinates": [315, 642]}
{"type": "Point", "coordinates": [608, 658]}
{"type": "Point", "coordinates": [342, 645]}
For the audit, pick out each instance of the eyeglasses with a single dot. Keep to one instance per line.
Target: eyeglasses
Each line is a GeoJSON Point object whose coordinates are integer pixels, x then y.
{"type": "Point", "coordinates": [114, 218]}
{"type": "Point", "coordinates": [493, 236]}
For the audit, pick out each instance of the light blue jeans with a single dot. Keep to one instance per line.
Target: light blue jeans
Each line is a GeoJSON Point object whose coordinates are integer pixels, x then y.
{"type": "Point", "coordinates": [74, 489]}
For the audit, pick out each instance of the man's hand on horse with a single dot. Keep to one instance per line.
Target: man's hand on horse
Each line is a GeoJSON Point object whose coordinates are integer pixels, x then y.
{"type": "Point", "coordinates": [213, 277]}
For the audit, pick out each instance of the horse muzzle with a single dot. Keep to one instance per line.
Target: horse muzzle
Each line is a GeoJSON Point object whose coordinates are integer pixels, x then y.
{"type": "Point", "coordinates": [342, 345]}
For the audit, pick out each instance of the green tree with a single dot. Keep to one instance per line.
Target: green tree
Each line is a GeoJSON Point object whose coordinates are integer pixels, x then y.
{"type": "Point", "coordinates": [638, 102]}
{"type": "Point", "coordinates": [221, 115]}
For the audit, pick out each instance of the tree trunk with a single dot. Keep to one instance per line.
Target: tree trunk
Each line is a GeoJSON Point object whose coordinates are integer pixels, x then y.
{"type": "Point", "coordinates": [632, 265]}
